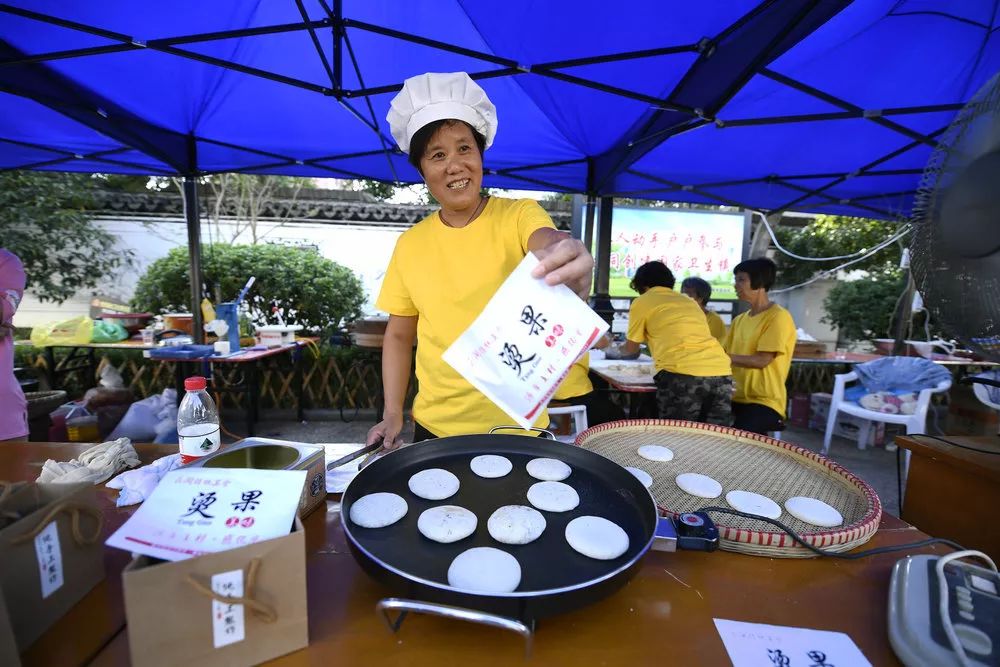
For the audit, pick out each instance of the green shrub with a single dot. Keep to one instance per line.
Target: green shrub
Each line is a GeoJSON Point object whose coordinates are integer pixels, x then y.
{"type": "Point", "coordinates": [313, 291]}
{"type": "Point", "coordinates": [863, 309]}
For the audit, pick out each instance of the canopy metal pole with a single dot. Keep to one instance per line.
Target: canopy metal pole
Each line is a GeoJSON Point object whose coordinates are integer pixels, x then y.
{"type": "Point", "coordinates": [602, 301]}
{"type": "Point", "coordinates": [588, 222]}
{"type": "Point", "coordinates": [194, 253]}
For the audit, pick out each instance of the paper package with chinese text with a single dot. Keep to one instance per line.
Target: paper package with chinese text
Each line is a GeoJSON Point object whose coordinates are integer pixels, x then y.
{"type": "Point", "coordinates": [193, 511]}
{"type": "Point", "coordinates": [520, 347]}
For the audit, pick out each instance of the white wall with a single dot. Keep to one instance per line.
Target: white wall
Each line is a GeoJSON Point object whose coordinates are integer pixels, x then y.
{"type": "Point", "coordinates": [364, 250]}
{"type": "Point", "coordinates": [806, 306]}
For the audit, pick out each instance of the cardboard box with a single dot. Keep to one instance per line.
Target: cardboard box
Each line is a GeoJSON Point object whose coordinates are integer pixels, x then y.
{"type": "Point", "coordinates": [846, 426]}
{"type": "Point", "coordinates": [172, 619]}
{"type": "Point", "coordinates": [47, 566]}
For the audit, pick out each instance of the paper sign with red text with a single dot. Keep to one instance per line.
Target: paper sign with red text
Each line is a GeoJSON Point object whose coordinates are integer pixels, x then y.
{"type": "Point", "coordinates": [520, 347]}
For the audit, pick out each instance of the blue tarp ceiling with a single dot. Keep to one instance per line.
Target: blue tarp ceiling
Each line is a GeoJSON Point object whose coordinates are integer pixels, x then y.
{"type": "Point", "coordinates": [826, 105]}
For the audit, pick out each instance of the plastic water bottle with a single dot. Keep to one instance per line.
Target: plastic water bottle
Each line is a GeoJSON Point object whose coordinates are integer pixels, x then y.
{"type": "Point", "coordinates": [197, 421]}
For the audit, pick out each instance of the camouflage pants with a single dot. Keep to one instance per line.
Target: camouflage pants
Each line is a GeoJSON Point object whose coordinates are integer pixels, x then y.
{"type": "Point", "coordinates": [699, 399]}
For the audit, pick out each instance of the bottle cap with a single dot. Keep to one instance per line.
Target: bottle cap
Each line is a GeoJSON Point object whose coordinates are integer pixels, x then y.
{"type": "Point", "coordinates": [195, 383]}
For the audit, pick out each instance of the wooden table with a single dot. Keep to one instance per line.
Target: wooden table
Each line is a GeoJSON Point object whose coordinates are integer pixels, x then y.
{"type": "Point", "coordinates": [80, 358]}
{"type": "Point", "coordinates": [631, 386]}
{"type": "Point", "coordinates": [954, 492]}
{"type": "Point", "coordinates": [665, 612]}
{"type": "Point", "coordinates": [249, 361]}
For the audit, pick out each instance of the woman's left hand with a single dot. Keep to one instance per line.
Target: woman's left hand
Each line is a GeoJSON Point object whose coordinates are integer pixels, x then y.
{"type": "Point", "coordinates": [566, 261]}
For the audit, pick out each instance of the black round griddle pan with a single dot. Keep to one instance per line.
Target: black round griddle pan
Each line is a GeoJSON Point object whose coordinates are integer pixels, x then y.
{"type": "Point", "coordinates": [554, 577]}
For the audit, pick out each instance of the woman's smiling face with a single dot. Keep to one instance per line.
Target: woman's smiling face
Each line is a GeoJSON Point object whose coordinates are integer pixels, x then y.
{"type": "Point", "coordinates": [453, 168]}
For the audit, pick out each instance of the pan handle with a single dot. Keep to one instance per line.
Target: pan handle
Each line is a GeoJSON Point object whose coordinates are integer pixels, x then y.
{"type": "Point", "coordinates": [386, 606]}
{"type": "Point", "coordinates": [548, 435]}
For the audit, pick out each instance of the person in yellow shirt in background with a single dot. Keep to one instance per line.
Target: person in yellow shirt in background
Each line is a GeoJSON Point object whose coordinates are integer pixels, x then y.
{"type": "Point", "coordinates": [701, 292]}
{"type": "Point", "coordinates": [446, 268]}
{"type": "Point", "coordinates": [693, 379]}
{"type": "Point", "coordinates": [577, 389]}
{"type": "Point", "coordinates": [760, 343]}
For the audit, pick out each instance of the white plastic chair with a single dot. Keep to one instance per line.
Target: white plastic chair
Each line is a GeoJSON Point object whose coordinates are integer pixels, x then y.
{"type": "Point", "coordinates": [579, 414]}
{"type": "Point", "coordinates": [982, 392]}
{"type": "Point", "coordinates": [914, 423]}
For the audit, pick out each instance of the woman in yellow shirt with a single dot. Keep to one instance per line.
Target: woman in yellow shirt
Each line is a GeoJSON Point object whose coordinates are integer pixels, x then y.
{"type": "Point", "coordinates": [760, 343]}
{"type": "Point", "coordinates": [693, 375]}
{"type": "Point", "coordinates": [699, 290]}
{"type": "Point", "coordinates": [446, 268]}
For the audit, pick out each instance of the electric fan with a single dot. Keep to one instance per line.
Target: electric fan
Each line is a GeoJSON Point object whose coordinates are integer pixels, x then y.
{"type": "Point", "coordinates": [955, 250]}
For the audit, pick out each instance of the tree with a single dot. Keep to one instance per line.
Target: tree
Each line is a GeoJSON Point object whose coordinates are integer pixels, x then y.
{"type": "Point", "coordinates": [832, 236]}
{"type": "Point", "coordinates": [863, 309]}
{"type": "Point", "coordinates": [43, 221]}
{"type": "Point", "coordinates": [311, 290]}
{"type": "Point", "coordinates": [245, 198]}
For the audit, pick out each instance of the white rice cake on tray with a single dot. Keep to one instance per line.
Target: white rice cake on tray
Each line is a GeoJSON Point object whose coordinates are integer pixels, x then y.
{"type": "Point", "coordinates": [553, 496]}
{"type": "Point", "coordinates": [491, 466]}
{"type": "Point", "coordinates": [641, 475]}
{"type": "Point", "coordinates": [446, 523]}
{"type": "Point", "coordinates": [548, 470]}
{"type": "Point", "coordinates": [378, 510]}
{"type": "Point", "coordinates": [484, 570]}
{"type": "Point", "coordinates": [753, 503]}
{"type": "Point", "coordinates": [516, 524]}
{"type": "Point", "coordinates": [434, 484]}
{"type": "Point", "coordinates": [698, 485]}
{"type": "Point", "coordinates": [596, 537]}
{"type": "Point", "coordinates": [814, 511]}
{"type": "Point", "coordinates": [656, 453]}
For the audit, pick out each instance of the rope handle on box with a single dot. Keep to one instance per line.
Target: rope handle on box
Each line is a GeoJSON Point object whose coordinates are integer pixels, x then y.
{"type": "Point", "coordinates": [264, 612]}
{"type": "Point", "coordinates": [75, 510]}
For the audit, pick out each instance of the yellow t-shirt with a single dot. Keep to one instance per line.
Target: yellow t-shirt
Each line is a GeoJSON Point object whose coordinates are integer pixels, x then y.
{"type": "Point", "coordinates": [715, 325]}
{"type": "Point", "coordinates": [770, 331]}
{"type": "Point", "coordinates": [445, 276]}
{"type": "Point", "coordinates": [577, 382]}
{"type": "Point", "coordinates": [677, 333]}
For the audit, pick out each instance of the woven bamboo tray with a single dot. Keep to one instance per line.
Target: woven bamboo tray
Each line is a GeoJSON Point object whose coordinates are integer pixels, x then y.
{"type": "Point", "coordinates": [750, 462]}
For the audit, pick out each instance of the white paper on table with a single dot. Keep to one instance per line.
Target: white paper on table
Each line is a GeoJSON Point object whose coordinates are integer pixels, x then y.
{"type": "Point", "coordinates": [338, 478]}
{"type": "Point", "coordinates": [753, 644]}
{"type": "Point", "coordinates": [520, 347]}
{"type": "Point", "coordinates": [204, 510]}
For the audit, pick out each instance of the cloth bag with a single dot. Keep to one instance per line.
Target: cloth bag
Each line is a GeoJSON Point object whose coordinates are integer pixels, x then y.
{"type": "Point", "coordinates": [51, 551]}
{"type": "Point", "coordinates": [173, 616]}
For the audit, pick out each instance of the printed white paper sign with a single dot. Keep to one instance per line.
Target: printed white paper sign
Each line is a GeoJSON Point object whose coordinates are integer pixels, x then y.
{"type": "Point", "coordinates": [203, 510]}
{"type": "Point", "coordinates": [520, 347]}
{"type": "Point", "coordinates": [760, 645]}
{"type": "Point", "coordinates": [50, 569]}
{"type": "Point", "coordinates": [227, 619]}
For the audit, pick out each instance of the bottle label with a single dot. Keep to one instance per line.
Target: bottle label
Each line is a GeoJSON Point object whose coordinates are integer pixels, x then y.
{"type": "Point", "coordinates": [198, 441]}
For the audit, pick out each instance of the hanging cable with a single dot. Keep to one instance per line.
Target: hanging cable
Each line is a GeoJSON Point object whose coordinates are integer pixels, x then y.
{"type": "Point", "coordinates": [829, 272]}
{"type": "Point", "coordinates": [774, 240]}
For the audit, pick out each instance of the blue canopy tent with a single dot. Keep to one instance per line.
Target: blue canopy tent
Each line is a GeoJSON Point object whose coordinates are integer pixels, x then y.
{"type": "Point", "coordinates": [817, 105]}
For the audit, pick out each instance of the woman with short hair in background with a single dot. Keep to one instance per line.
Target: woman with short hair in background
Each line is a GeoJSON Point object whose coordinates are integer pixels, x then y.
{"type": "Point", "coordinates": [760, 344]}
{"type": "Point", "coordinates": [699, 290]}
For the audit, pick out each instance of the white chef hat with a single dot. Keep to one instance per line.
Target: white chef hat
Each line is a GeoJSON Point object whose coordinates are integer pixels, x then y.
{"type": "Point", "coordinates": [433, 96]}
